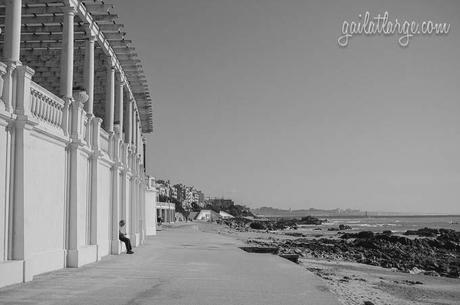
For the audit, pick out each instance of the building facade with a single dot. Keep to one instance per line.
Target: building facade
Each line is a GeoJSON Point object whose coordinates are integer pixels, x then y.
{"type": "Point", "coordinates": [166, 211]}
{"type": "Point", "coordinates": [74, 107]}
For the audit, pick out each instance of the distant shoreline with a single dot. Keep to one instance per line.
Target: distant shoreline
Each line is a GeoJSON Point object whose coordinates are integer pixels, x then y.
{"type": "Point", "coordinates": [364, 216]}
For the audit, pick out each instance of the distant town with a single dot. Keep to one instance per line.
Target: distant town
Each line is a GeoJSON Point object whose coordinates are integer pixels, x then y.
{"type": "Point", "coordinates": [188, 202]}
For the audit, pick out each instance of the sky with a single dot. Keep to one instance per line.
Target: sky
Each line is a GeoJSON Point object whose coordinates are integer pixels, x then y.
{"type": "Point", "coordinates": [254, 100]}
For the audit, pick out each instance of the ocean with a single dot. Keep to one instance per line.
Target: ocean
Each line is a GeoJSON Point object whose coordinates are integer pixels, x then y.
{"type": "Point", "coordinates": [396, 224]}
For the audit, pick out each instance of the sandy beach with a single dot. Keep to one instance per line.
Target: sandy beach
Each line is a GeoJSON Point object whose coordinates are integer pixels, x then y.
{"type": "Point", "coordinates": [357, 284]}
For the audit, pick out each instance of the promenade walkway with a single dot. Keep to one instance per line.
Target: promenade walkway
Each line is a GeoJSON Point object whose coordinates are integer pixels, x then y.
{"type": "Point", "coordinates": [180, 266]}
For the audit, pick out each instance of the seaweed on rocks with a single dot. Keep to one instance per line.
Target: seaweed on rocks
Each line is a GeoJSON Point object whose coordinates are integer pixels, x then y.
{"type": "Point", "coordinates": [243, 224]}
{"type": "Point", "coordinates": [432, 256]}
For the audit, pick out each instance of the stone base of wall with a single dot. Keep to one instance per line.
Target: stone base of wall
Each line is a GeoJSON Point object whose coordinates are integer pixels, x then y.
{"type": "Point", "coordinates": [11, 272]}
{"type": "Point", "coordinates": [135, 239]}
{"type": "Point", "coordinates": [115, 247]}
{"type": "Point", "coordinates": [81, 256]}
{"type": "Point", "coordinates": [43, 262]}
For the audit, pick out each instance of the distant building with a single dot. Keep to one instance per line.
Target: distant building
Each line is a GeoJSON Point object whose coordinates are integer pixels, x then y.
{"type": "Point", "coordinates": [180, 192]}
{"type": "Point", "coordinates": [221, 203]}
{"type": "Point", "coordinates": [200, 198]}
{"type": "Point", "coordinates": [225, 215]}
{"type": "Point", "coordinates": [166, 211]}
{"type": "Point", "coordinates": [163, 188]}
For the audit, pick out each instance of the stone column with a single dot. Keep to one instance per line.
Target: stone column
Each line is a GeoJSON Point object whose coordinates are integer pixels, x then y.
{"type": "Point", "coordinates": [119, 85]}
{"type": "Point", "coordinates": [132, 212]}
{"type": "Point", "coordinates": [128, 121]}
{"type": "Point", "coordinates": [79, 251]}
{"type": "Point", "coordinates": [12, 31]}
{"type": "Point", "coordinates": [89, 73]}
{"type": "Point", "coordinates": [115, 244]}
{"type": "Point", "coordinates": [133, 127]}
{"type": "Point", "coordinates": [96, 129]}
{"type": "Point", "coordinates": [110, 97]}
{"type": "Point", "coordinates": [11, 48]}
{"type": "Point", "coordinates": [19, 247]}
{"type": "Point", "coordinates": [141, 200]}
{"type": "Point", "coordinates": [124, 201]}
{"type": "Point", "coordinates": [137, 131]}
{"type": "Point", "coordinates": [67, 53]}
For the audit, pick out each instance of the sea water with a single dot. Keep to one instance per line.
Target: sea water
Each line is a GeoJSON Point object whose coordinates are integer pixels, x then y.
{"type": "Point", "coordinates": [397, 224]}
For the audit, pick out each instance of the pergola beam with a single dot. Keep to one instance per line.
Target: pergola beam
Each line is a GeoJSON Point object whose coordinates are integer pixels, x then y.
{"type": "Point", "coordinates": [98, 8]}
{"type": "Point", "coordinates": [42, 35]}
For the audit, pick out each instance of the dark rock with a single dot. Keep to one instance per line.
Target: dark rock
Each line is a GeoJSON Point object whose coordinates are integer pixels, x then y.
{"type": "Point", "coordinates": [296, 234]}
{"type": "Point", "coordinates": [368, 303]}
{"type": "Point", "coordinates": [425, 232]}
{"type": "Point", "coordinates": [344, 227]}
{"type": "Point", "coordinates": [310, 220]}
{"type": "Point", "coordinates": [273, 250]}
{"type": "Point", "coordinates": [438, 256]}
{"type": "Point", "coordinates": [257, 225]}
{"type": "Point", "coordinates": [365, 234]}
{"type": "Point", "coordinates": [292, 257]}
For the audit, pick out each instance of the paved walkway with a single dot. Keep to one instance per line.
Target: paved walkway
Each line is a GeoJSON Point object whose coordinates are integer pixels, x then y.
{"type": "Point", "coordinates": [179, 266]}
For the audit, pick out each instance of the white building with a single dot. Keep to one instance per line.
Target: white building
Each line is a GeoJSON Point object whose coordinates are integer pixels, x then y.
{"type": "Point", "coordinates": [225, 215]}
{"type": "Point", "coordinates": [71, 161]}
{"type": "Point", "coordinates": [167, 211]}
{"type": "Point", "coordinates": [207, 215]}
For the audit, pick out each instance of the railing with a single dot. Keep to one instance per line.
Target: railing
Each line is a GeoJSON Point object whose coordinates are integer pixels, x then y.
{"type": "Point", "coordinates": [105, 140]}
{"type": "Point", "coordinates": [46, 106]}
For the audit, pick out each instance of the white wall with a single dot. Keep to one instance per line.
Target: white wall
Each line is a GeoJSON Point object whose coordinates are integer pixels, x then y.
{"type": "Point", "coordinates": [44, 202]}
{"type": "Point", "coordinates": [83, 198]}
{"type": "Point", "coordinates": [54, 218]}
{"type": "Point", "coordinates": [104, 201]}
{"type": "Point", "coordinates": [150, 213]}
{"type": "Point", "coordinates": [3, 192]}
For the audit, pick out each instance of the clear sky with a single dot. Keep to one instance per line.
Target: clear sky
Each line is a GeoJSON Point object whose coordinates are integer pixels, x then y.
{"type": "Point", "coordinates": [255, 100]}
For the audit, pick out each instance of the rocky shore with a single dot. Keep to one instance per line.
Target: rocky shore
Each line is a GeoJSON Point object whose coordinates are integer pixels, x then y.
{"type": "Point", "coordinates": [428, 251]}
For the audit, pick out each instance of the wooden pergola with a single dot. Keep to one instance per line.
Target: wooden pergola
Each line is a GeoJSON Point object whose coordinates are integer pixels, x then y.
{"type": "Point", "coordinates": [101, 54]}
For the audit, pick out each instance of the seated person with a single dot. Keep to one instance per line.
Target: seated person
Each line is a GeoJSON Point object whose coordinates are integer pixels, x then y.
{"type": "Point", "coordinates": [123, 238]}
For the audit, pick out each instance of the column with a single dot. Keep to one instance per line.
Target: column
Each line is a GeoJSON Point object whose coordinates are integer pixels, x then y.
{"type": "Point", "coordinates": [80, 249]}
{"type": "Point", "coordinates": [134, 124]}
{"type": "Point", "coordinates": [19, 247]}
{"type": "Point", "coordinates": [132, 212]}
{"type": "Point", "coordinates": [138, 137]}
{"type": "Point", "coordinates": [96, 129]}
{"type": "Point", "coordinates": [142, 226]}
{"type": "Point", "coordinates": [115, 244]}
{"type": "Point", "coordinates": [12, 31]}
{"type": "Point", "coordinates": [110, 97]}
{"type": "Point", "coordinates": [88, 75]}
{"type": "Point", "coordinates": [128, 121]}
{"type": "Point", "coordinates": [135, 129]}
{"type": "Point", "coordinates": [119, 102]}
{"type": "Point", "coordinates": [11, 48]}
{"type": "Point", "coordinates": [67, 53]}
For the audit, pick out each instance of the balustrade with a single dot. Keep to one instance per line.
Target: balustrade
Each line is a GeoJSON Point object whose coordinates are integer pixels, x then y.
{"type": "Point", "coordinates": [105, 141]}
{"type": "Point", "coordinates": [45, 106]}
